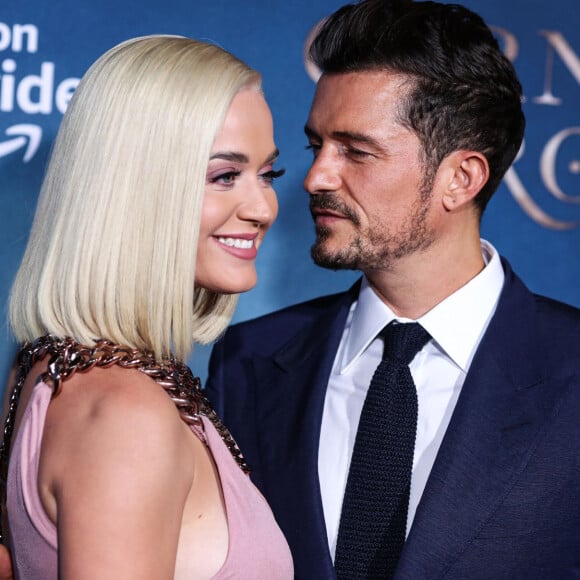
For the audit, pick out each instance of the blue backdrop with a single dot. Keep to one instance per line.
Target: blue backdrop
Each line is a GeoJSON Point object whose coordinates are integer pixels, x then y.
{"type": "Point", "coordinates": [534, 219]}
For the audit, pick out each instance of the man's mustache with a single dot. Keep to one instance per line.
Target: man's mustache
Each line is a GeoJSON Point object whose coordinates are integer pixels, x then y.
{"type": "Point", "coordinates": [329, 202]}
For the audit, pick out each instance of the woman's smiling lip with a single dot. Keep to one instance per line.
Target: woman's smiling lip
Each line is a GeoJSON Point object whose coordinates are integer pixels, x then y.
{"type": "Point", "coordinates": [239, 245]}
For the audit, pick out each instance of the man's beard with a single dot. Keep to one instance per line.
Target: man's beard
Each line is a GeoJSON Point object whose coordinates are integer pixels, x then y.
{"type": "Point", "coordinates": [373, 248]}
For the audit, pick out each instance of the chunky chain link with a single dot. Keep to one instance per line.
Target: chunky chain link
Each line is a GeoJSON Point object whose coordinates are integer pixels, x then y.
{"type": "Point", "coordinates": [67, 357]}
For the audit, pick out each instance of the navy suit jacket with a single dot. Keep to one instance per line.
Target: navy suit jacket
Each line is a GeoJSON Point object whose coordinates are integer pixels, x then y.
{"type": "Point", "coordinates": [503, 498]}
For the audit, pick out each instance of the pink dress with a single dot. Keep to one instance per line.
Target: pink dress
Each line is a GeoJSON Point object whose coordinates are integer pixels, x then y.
{"type": "Point", "coordinates": [257, 548]}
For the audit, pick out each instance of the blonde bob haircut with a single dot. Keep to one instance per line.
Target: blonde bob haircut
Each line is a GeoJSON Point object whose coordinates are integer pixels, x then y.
{"type": "Point", "coordinates": [113, 245]}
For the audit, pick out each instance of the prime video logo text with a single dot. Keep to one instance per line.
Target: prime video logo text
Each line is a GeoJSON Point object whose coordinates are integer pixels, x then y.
{"type": "Point", "coordinates": [32, 94]}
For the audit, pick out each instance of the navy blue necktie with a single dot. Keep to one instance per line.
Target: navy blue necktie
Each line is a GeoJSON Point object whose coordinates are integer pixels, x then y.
{"type": "Point", "coordinates": [373, 520]}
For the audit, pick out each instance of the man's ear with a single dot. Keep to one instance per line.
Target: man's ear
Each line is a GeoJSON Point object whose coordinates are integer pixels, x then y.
{"type": "Point", "coordinates": [466, 172]}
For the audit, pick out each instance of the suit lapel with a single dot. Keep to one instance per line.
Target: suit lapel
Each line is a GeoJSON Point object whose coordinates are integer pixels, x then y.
{"type": "Point", "coordinates": [289, 411]}
{"type": "Point", "coordinates": [499, 416]}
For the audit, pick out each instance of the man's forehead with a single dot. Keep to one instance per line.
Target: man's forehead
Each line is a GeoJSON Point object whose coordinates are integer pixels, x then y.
{"type": "Point", "coordinates": [360, 91]}
{"type": "Point", "coordinates": [357, 102]}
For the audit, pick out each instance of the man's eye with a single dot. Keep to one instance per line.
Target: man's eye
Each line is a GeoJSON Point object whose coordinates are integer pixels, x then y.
{"type": "Point", "coordinates": [353, 152]}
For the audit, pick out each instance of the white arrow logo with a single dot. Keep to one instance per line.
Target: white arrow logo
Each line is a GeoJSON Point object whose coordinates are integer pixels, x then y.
{"type": "Point", "coordinates": [25, 135]}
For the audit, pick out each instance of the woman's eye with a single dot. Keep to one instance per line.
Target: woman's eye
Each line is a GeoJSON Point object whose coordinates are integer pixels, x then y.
{"type": "Point", "coordinates": [227, 178]}
{"type": "Point", "coordinates": [313, 147]}
{"type": "Point", "coordinates": [271, 175]}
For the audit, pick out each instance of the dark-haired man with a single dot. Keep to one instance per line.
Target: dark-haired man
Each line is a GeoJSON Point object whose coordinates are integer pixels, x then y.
{"type": "Point", "coordinates": [415, 120]}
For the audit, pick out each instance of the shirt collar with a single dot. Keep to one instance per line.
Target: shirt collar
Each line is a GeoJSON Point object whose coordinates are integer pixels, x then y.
{"type": "Point", "coordinates": [454, 324]}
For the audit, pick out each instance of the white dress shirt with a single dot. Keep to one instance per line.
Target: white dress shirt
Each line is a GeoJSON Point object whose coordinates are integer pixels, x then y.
{"type": "Point", "coordinates": [456, 326]}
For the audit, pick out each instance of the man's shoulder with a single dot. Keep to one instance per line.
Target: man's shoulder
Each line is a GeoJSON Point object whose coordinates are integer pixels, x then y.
{"type": "Point", "coordinates": [268, 333]}
{"type": "Point", "coordinates": [552, 307]}
{"type": "Point", "coordinates": [550, 327]}
{"type": "Point", "coordinates": [290, 317]}
{"type": "Point", "coordinates": [560, 320]}
{"type": "Point", "coordinates": [545, 311]}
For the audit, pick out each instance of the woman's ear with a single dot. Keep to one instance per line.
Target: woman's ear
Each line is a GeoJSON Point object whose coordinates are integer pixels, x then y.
{"type": "Point", "coordinates": [468, 172]}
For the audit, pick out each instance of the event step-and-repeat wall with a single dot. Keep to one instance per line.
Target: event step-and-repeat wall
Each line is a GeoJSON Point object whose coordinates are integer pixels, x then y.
{"type": "Point", "coordinates": [534, 219]}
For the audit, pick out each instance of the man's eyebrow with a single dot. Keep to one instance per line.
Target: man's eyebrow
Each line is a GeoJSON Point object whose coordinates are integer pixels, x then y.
{"type": "Point", "coordinates": [351, 136]}
{"type": "Point", "coordinates": [356, 137]}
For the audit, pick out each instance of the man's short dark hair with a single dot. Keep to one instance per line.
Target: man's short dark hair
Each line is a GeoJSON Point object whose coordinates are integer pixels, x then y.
{"type": "Point", "coordinates": [464, 92]}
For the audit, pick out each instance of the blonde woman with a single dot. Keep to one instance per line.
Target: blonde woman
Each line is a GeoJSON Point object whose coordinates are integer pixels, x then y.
{"type": "Point", "coordinates": [155, 202]}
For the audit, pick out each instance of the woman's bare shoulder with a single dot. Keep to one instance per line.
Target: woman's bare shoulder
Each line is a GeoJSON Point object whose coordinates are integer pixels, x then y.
{"type": "Point", "coordinates": [111, 414]}
{"type": "Point", "coordinates": [110, 392]}
{"type": "Point", "coordinates": [117, 468]}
